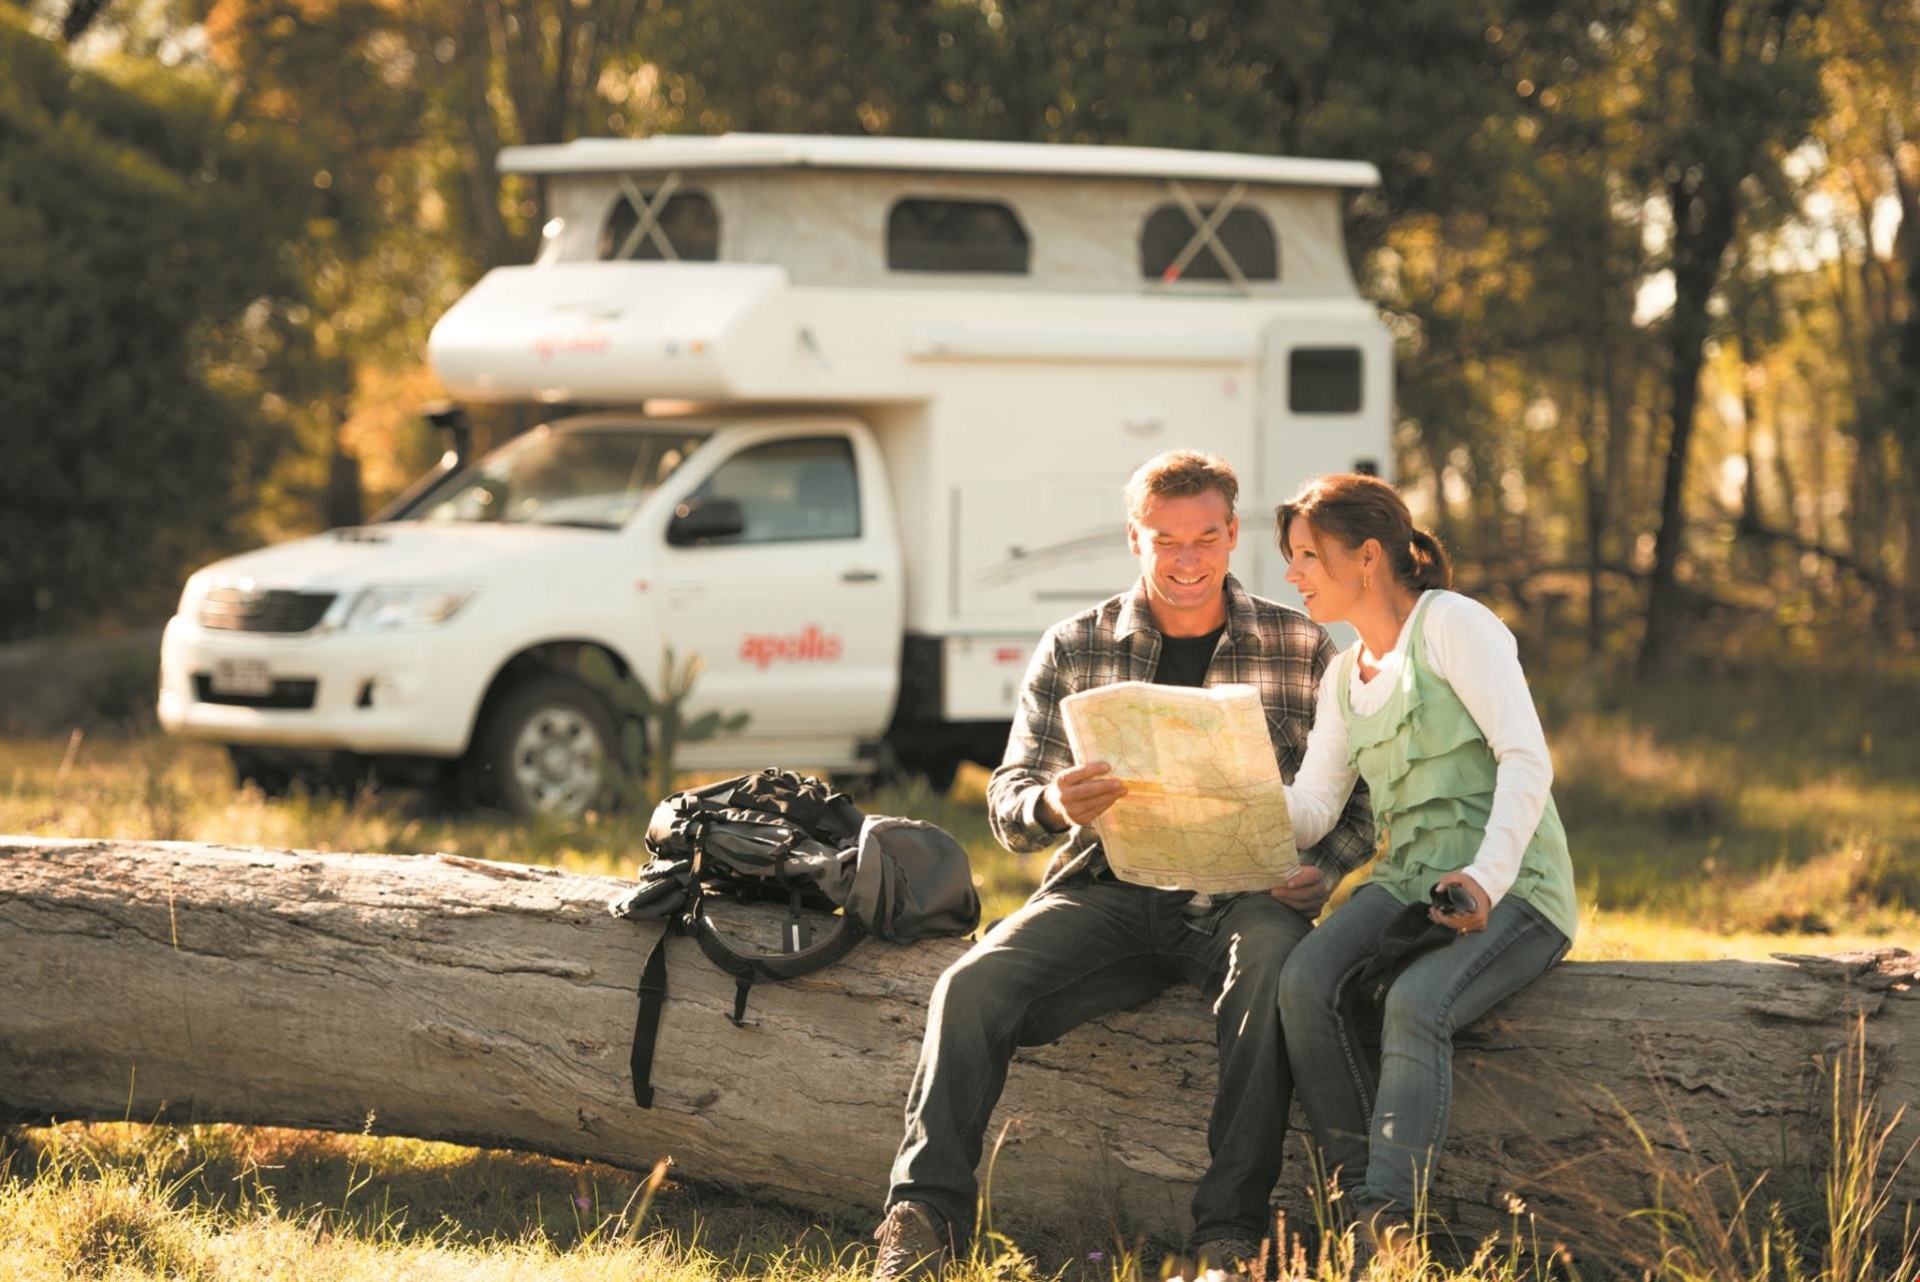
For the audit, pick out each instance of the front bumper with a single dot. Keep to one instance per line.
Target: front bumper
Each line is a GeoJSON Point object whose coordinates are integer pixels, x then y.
{"type": "Point", "coordinates": [373, 693]}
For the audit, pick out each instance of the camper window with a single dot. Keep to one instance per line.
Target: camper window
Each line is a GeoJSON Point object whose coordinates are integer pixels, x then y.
{"type": "Point", "coordinates": [956, 236]}
{"type": "Point", "coordinates": [687, 221]}
{"type": "Point", "coordinates": [1324, 380]}
{"type": "Point", "coordinates": [790, 490]}
{"type": "Point", "coordinates": [1243, 231]}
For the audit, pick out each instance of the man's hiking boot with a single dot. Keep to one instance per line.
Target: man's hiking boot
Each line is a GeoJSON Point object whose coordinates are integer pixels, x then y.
{"type": "Point", "coordinates": [1234, 1256]}
{"type": "Point", "coordinates": [914, 1243]}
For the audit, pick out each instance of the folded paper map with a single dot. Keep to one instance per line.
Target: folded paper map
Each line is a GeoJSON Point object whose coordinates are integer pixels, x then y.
{"type": "Point", "coordinates": [1204, 809]}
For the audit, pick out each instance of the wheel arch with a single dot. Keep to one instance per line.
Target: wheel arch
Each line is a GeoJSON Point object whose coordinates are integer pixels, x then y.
{"type": "Point", "coordinates": [554, 655]}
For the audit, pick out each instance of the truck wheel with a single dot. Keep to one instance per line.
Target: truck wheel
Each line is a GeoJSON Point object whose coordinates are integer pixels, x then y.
{"type": "Point", "coordinates": [939, 771]}
{"type": "Point", "coordinates": [545, 749]}
{"type": "Point", "coordinates": [273, 780]}
{"type": "Point", "coordinates": [936, 768]}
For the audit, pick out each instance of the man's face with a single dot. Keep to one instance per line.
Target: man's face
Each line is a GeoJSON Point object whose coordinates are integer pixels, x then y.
{"type": "Point", "coordinates": [1183, 545]}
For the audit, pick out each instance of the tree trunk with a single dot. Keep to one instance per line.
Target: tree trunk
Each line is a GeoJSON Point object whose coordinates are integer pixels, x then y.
{"type": "Point", "coordinates": [1704, 217]}
{"type": "Point", "coordinates": [1599, 479]}
{"type": "Point", "coordinates": [492, 1004]}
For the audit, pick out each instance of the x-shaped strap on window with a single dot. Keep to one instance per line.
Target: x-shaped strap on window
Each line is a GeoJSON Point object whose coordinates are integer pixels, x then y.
{"type": "Point", "coordinates": [649, 212]}
{"type": "Point", "coordinates": [1204, 236]}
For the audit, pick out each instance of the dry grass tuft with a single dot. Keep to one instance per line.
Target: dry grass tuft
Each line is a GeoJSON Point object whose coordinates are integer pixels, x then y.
{"type": "Point", "coordinates": [102, 1224]}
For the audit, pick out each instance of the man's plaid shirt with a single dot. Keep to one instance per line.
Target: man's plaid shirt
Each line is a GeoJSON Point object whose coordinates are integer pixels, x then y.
{"type": "Point", "coordinates": [1275, 649]}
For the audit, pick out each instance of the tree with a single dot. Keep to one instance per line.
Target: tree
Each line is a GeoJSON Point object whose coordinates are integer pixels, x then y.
{"type": "Point", "coordinates": [1870, 175]}
{"type": "Point", "coordinates": [1727, 88]}
{"type": "Point", "coordinates": [492, 1003]}
{"type": "Point", "coordinates": [145, 273]}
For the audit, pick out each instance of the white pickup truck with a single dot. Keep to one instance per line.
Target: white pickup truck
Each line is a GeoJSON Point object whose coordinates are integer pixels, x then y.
{"type": "Point", "coordinates": [908, 380]}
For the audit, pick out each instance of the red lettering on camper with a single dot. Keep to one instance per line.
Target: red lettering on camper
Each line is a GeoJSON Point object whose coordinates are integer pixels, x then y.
{"type": "Point", "coordinates": [764, 649]}
{"type": "Point", "coordinates": [570, 345]}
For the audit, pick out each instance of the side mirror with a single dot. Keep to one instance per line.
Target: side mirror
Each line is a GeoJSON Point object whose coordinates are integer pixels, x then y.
{"type": "Point", "coordinates": [698, 520]}
{"type": "Point", "coordinates": [451, 419]}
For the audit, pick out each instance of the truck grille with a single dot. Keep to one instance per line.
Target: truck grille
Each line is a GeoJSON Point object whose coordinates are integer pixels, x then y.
{"type": "Point", "coordinates": [235, 610]}
{"type": "Point", "coordinates": [293, 695]}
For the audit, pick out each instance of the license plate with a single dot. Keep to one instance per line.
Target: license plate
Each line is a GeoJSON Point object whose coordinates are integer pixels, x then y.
{"type": "Point", "coordinates": [241, 676]}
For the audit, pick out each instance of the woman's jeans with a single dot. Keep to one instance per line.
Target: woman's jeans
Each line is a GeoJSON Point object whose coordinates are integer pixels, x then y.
{"type": "Point", "coordinates": [1380, 1141]}
{"type": "Point", "coordinates": [1081, 951]}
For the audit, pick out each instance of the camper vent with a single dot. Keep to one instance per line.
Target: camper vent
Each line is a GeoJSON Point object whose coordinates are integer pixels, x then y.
{"type": "Point", "coordinates": [239, 610]}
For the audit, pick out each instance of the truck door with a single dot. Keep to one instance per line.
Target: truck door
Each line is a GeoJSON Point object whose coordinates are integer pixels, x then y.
{"type": "Point", "coordinates": [798, 615]}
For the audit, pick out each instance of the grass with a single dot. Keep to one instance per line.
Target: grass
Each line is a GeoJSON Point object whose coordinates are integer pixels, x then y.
{"type": "Point", "coordinates": [1710, 818]}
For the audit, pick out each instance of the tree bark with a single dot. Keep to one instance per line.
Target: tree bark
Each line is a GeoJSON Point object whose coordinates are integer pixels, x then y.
{"type": "Point", "coordinates": [1704, 220]}
{"type": "Point", "coordinates": [493, 1004]}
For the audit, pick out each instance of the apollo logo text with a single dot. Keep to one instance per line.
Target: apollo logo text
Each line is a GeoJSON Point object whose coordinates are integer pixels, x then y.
{"type": "Point", "coordinates": [811, 646]}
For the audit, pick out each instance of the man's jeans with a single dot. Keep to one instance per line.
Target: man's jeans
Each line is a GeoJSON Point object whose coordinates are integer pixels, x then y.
{"type": "Point", "coordinates": [1078, 952]}
{"type": "Point", "coordinates": [1382, 1142]}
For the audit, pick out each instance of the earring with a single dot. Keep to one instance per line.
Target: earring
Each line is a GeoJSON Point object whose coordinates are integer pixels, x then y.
{"type": "Point", "coordinates": [1366, 581]}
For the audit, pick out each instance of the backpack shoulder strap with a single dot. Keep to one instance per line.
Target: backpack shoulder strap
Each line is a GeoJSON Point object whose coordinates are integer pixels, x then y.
{"type": "Point", "coordinates": [747, 967]}
{"type": "Point", "coordinates": [646, 1025]}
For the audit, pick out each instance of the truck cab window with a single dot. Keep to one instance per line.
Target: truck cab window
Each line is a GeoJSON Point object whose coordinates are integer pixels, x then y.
{"type": "Point", "coordinates": [956, 236]}
{"type": "Point", "coordinates": [791, 490]}
{"type": "Point", "coordinates": [687, 221]}
{"type": "Point", "coordinates": [1244, 232]}
{"type": "Point", "coordinates": [581, 477]}
{"type": "Point", "coordinates": [1323, 380]}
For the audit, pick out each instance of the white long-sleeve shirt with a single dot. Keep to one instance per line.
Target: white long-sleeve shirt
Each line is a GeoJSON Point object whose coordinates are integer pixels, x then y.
{"type": "Point", "coordinates": [1469, 648]}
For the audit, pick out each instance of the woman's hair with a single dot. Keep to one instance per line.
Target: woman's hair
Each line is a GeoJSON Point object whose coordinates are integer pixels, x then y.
{"type": "Point", "coordinates": [1354, 508]}
{"type": "Point", "coordinates": [1180, 474]}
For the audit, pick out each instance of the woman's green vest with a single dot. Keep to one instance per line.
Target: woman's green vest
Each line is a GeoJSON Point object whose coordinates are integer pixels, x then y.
{"type": "Point", "coordinates": [1431, 774]}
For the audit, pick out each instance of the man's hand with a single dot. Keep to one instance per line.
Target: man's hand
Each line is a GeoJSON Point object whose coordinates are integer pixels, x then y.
{"type": "Point", "coordinates": [1078, 796]}
{"type": "Point", "coordinates": [1305, 891]}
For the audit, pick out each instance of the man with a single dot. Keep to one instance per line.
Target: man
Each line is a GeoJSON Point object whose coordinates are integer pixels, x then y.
{"type": "Point", "coordinates": [1087, 944]}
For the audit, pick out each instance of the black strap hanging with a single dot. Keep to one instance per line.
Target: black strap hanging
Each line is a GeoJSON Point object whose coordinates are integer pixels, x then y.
{"type": "Point", "coordinates": [741, 987]}
{"type": "Point", "coordinates": [646, 1025]}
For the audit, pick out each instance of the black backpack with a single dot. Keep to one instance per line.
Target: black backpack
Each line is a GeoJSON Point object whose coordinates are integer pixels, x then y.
{"type": "Point", "coordinates": [780, 836]}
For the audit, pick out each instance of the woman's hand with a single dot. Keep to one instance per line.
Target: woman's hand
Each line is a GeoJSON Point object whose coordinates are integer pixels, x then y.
{"type": "Point", "coordinates": [1465, 923]}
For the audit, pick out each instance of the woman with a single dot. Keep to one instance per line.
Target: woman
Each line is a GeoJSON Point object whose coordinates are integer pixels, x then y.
{"type": "Point", "coordinates": [1431, 708]}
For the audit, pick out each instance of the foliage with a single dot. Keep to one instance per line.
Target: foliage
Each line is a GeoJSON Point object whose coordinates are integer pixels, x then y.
{"type": "Point", "coordinates": [1727, 91]}
{"type": "Point", "coordinates": [1738, 451]}
{"type": "Point", "coordinates": [655, 721]}
{"type": "Point", "coordinates": [1544, 170]}
{"type": "Point", "coordinates": [1728, 1221]}
{"type": "Point", "coordinates": [145, 273]}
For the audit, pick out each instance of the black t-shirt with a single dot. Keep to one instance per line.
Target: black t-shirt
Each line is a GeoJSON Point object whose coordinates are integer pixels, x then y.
{"type": "Point", "coordinates": [1184, 660]}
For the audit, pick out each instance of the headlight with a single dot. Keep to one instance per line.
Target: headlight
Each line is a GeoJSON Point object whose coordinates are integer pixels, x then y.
{"type": "Point", "coordinates": [425, 605]}
{"type": "Point", "coordinates": [192, 595]}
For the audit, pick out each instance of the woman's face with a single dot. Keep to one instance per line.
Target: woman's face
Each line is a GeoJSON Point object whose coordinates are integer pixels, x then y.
{"type": "Point", "coordinates": [1325, 573]}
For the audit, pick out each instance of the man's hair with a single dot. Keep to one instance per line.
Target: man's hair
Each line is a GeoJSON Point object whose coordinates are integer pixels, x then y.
{"type": "Point", "coordinates": [1180, 474]}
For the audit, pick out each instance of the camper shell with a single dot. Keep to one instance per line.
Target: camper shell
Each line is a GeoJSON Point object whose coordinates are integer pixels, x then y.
{"type": "Point", "coordinates": [964, 348]}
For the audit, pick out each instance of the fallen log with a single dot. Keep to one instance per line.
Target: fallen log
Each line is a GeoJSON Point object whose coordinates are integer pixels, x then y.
{"type": "Point", "coordinates": [492, 1004]}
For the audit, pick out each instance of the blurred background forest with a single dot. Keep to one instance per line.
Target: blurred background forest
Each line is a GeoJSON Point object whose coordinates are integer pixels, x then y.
{"type": "Point", "coordinates": [1653, 265]}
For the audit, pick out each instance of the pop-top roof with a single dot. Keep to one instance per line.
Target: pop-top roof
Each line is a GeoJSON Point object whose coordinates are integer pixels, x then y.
{"type": "Point", "coordinates": [927, 155]}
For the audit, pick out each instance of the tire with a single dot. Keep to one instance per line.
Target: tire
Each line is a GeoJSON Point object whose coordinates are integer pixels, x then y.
{"type": "Point", "coordinates": [546, 750]}
{"type": "Point", "coordinates": [939, 771]}
{"type": "Point", "coordinates": [936, 770]}
{"type": "Point", "coordinates": [279, 775]}
{"type": "Point", "coordinates": [251, 768]}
